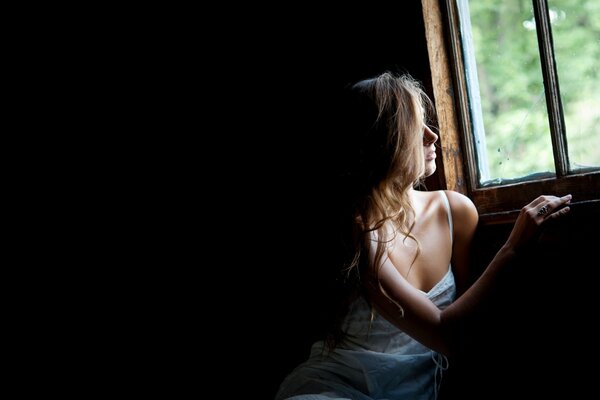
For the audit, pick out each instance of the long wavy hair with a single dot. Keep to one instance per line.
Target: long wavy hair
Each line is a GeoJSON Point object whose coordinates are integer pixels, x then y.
{"type": "Point", "coordinates": [383, 121]}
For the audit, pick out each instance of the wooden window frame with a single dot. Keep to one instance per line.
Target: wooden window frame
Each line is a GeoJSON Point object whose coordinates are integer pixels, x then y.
{"type": "Point", "coordinates": [496, 204]}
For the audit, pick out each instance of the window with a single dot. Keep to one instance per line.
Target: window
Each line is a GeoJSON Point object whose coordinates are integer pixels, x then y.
{"type": "Point", "coordinates": [525, 88]}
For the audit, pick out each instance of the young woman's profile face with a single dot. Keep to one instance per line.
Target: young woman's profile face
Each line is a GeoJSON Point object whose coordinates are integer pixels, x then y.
{"type": "Point", "coordinates": [429, 139]}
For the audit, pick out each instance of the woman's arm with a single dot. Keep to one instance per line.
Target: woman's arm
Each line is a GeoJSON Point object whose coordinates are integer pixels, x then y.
{"type": "Point", "coordinates": [439, 330]}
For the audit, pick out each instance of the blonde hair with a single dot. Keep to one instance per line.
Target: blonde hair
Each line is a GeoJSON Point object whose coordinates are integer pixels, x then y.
{"type": "Point", "coordinates": [400, 108]}
{"type": "Point", "coordinates": [391, 163]}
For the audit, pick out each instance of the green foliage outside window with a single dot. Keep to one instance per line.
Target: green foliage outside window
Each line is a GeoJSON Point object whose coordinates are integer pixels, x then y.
{"type": "Point", "coordinates": [512, 92]}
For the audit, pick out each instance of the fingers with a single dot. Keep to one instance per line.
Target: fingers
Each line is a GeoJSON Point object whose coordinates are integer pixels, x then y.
{"type": "Point", "coordinates": [559, 213]}
{"type": "Point", "coordinates": [538, 201]}
{"type": "Point", "coordinates": [551, 206]}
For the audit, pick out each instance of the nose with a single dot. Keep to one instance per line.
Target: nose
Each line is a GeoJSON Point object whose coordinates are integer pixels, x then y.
{"type": "Point", "coordinates": [429, 136]}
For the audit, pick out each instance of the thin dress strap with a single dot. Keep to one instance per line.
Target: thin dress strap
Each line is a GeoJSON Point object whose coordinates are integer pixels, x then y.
{"type": "Point", "coordinates": [449, 212]}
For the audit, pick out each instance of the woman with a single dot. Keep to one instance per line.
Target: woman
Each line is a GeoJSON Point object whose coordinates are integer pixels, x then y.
{"type": "Point", "coordinates": [407, 256]}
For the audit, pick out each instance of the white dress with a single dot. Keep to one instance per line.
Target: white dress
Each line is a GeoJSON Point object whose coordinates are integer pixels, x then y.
{"type": "Point", "coordinates": [382, 362]}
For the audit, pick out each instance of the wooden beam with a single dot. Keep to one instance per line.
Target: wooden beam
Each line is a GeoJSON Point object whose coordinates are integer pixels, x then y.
{"type": "Point", "coordinates": [443, 93]}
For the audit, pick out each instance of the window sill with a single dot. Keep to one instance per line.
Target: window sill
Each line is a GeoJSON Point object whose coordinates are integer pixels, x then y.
{"type": "Point", "coordinates": [586, 208]}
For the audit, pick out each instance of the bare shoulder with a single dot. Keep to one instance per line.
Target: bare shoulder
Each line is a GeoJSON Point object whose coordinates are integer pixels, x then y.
{"type": "Point", "coordinates": [464, 212]}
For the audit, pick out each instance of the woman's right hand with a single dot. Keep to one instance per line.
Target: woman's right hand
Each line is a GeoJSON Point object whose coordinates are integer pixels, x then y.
{"type": "Point", "coordinates": [533, 216]}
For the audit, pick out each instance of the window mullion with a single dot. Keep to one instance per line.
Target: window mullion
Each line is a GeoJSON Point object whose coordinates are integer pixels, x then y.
{"type": "Point", "coordinates": [462, 98]}
{"type": "Point", "coordinates": [553, 99]}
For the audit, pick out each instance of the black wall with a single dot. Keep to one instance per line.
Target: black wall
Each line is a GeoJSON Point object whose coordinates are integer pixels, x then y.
{"type": "Point", "coordinates": [533, 338]}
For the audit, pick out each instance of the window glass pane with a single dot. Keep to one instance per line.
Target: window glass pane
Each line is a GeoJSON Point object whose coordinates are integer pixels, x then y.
{"type": "Point", "coordinates": [507, 99]}
{"type": "Point", "coordinates": [576, 34]}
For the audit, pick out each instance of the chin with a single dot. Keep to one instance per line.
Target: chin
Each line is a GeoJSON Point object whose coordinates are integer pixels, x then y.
{"type": "Point", "coordinates": [430, 168]}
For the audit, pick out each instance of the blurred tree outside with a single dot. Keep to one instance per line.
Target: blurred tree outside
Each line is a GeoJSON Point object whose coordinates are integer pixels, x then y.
{"type": "Point", "coordinates": [515, 118]}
